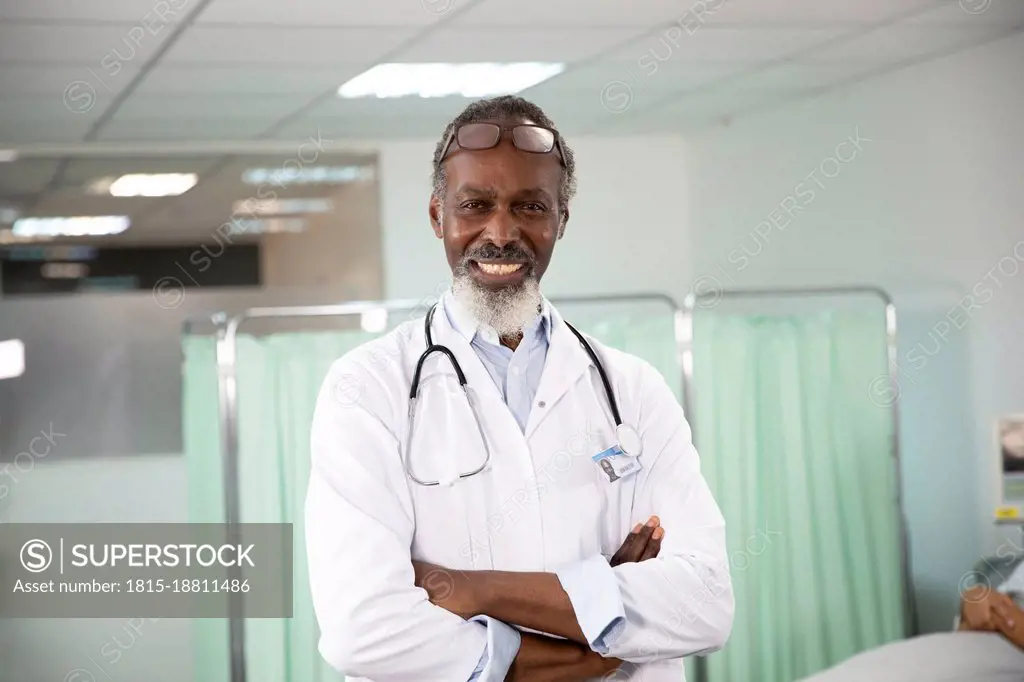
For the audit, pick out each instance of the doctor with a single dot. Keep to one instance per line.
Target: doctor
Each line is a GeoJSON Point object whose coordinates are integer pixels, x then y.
{"type": "Point", "coordinates": [535, 524]}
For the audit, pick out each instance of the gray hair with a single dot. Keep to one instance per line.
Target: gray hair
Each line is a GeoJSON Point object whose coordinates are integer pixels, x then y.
{"type": "Point", "coordinates": [507, 107]}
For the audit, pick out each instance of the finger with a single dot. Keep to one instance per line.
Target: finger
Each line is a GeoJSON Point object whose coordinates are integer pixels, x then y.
{"type": "Point", "coordinates": [622, 553]}
{"type": "Point", "coordinates": [1000, 612]}
{"type": "Point", "coordinates": [998, 623]}
{"type": "Point", "coordinates": [642, 538]}
{"type": "Point", "coordinates": [653, 545]}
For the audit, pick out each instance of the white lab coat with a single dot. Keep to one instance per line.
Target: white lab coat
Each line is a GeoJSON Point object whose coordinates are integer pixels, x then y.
{"type": "Point", "coordinates": [540, 504]}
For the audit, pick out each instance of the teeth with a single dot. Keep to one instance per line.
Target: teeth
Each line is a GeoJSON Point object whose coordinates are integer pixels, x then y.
{"type": "Point", "coordinates": [493, 269]}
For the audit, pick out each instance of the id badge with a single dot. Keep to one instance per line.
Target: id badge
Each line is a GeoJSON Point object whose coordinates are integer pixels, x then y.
{"type": "Point", "coordinates": [615, 464]}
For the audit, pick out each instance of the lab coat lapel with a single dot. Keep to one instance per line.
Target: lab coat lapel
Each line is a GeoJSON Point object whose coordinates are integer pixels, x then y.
{"type": "Point", "coordinates": [565, 363]}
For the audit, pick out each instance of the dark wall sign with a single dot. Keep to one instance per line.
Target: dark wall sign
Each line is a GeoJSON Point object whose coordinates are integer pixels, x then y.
{"type": "Point", "coordinates": [26, 270]}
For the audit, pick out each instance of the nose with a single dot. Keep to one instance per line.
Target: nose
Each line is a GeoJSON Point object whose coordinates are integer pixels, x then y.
{"type": "Point", "coordinates": [502, 229]}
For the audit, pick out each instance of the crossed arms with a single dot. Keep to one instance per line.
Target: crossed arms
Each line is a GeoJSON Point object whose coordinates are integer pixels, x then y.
{"type": "Point", "coordinates": [536, 601]}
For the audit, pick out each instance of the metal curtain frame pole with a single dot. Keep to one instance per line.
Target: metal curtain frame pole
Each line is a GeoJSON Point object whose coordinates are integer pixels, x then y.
{"type": "Point", "coordinates": [227, 330]}
{"type": "Point", "coordinates": [694, 302]}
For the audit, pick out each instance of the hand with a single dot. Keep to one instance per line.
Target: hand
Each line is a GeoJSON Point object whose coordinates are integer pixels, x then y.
{"type": "Point", "coordinates": [545, 659]}
{"type": "Point", "coordinates": [450, 589]}
{"type": "Point", "coordinates": [979, 605]}
{"type": "Point", "coordinates": [1008, 619]}
{"type": "Point", "coordinates": [642, 543]}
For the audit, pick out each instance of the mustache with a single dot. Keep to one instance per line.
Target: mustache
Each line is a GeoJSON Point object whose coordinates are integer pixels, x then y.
{"type": "Point", "coordinates": [516, 252]}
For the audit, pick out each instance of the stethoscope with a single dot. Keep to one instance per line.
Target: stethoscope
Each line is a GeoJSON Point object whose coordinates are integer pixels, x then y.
{"type": "Point", "coordinates": [628, 438]}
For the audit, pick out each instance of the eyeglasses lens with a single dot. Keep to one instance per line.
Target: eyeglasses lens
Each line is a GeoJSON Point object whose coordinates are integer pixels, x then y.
{"type": "Point", "coordinates": [533, 139]}
{"type": "Point", "coordinates": [478, 135]}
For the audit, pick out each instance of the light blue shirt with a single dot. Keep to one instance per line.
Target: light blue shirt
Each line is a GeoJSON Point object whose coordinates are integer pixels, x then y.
{"type": "Point", "coordinates": [591, 584]}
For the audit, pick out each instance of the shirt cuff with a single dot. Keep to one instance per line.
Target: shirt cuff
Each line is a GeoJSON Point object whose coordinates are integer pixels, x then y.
{"type": "Point", "coordinates": [501, 649]}
{"type": "Point", "coordinates": [593, 591]}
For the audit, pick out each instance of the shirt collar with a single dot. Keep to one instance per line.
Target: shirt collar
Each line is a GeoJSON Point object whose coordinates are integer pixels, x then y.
{"type": "Point", "coordinates": [469, 328]}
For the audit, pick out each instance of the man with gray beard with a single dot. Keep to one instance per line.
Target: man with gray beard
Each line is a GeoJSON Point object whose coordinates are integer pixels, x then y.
{"type": "Point", "coordinates": [465, 518]}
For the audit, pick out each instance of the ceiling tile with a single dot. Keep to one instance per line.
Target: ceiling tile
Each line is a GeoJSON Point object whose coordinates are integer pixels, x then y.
{"type": "Point", "coordinates": [26, 176]}
{"type": "Point", "coordinates": [104, 48]}
{"type": "Point", "coordinates": [209, 105]}
{"type": "Point", "coordinates": [669, 76]}
{"type": "Point", "coordinates": [799, 75]}
{"type": "Point", "coordinates": [213, 46]}
{"type": "Point", "coordinates": [320, 13]}
{"type": "Point", "coordinates": [80, 172]}
{"type": "Point", "coordinates": [46, 107]}
{"type": "Point", "coordinates": [710, 44]}
{"type": "Point", "coordinates": [511, 45]}
{"type": "Point", "coordinates": [240, 80]}
{"type": "Point", "coordinates": [24, 79]}
{"type": "Point", "coordinates": [967, 13]}
{"type": "Point", "coordinates": [892, 44]}
{"type": "Point", "coordinates": [147, 12]}
{"type": "Point", "coordinates": [537, 13]}
{"type": "Point", "coordinates": [71, 201]}
{"type": "Point", "coordinates": [176, 128]}
{"type": "Point", "coordinates": [385, 107]}
{"type": "Point", "coordinates": [40, 130]}
{"type": "Point", "coordinates": [809, 13]}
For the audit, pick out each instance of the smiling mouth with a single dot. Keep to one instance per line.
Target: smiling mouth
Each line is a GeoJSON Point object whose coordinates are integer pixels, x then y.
{"type": "Point", "coordinates": [499, 268]}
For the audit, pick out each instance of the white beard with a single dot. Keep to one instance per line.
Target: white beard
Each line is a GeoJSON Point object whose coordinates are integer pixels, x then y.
{"type": "Point", "coordinates": [508, 311]}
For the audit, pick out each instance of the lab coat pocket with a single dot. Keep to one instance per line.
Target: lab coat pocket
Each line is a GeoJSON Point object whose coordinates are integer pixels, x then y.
{"type": "Point", "coordinates": [573, 524]}
{"type": "Point", "coordinates": [446, 532]}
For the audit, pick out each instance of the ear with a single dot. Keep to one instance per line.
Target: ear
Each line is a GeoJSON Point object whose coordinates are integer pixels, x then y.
{"type": "Point", "coordinates": [434, 210]}
{"type": "Point", "coordinates": [562, 223]}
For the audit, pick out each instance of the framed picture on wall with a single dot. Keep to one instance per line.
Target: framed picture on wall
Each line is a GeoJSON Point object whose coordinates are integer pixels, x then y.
{"type": "Point", "coordinates": [1010, 443]}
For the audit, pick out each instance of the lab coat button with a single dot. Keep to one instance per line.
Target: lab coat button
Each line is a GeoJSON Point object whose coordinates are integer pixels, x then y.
{"type": "Point", "coordinates": [541, 404]}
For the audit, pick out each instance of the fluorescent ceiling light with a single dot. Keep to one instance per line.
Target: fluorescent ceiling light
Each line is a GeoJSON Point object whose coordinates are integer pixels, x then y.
{"type": "Point", "coordinates": [307, 175]}
{"type": "Point", "coordinates": [446, 80]}
{"type": "Point", "coordinates": [282, 206]}
{"type": "Point", "coordinates": [8, 155]}
{"type": "Point", "coordinates": [267, 226]}
{"type": "Point", "coordinates": [151, 185]}
{"type": "Point", "coordinates": [12, 359]}
{"type": "Point", "coordinates": [79, 226]}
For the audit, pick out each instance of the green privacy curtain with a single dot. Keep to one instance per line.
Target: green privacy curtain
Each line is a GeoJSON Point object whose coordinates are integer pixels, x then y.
{"type": "Point", "coordinates": [279, 377]}
{"type": "Point", "coordinates": [800, 459]}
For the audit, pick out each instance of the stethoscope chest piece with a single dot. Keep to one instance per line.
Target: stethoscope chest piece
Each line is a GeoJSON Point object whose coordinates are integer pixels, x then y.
{"type": "Point", "coordinates": [629, 440]}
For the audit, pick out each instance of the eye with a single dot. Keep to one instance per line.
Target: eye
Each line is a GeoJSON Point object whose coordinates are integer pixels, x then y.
{"type": "Point", "coordinates": [473, 205]}
{"type": "Point", "coordinates": [534, 206]}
